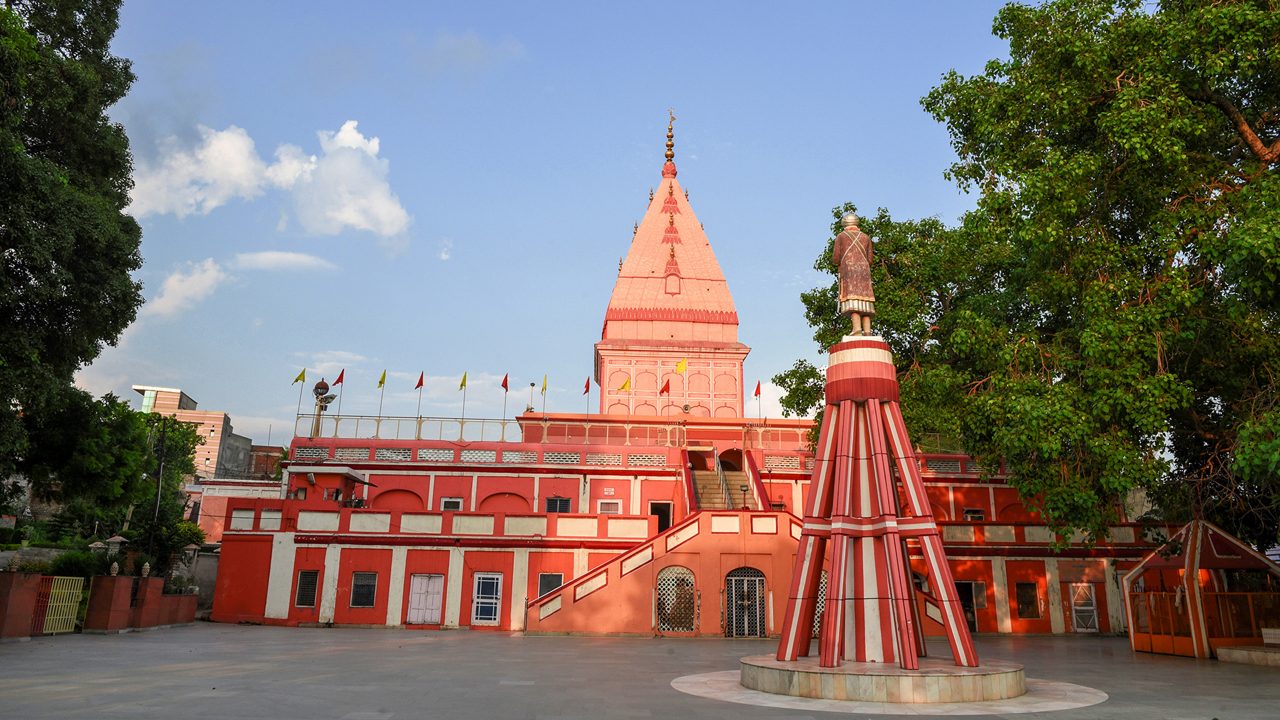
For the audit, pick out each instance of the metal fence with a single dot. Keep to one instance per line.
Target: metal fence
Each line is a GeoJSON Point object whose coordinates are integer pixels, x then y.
{"type": "Point", "coordinates": [57, 605]}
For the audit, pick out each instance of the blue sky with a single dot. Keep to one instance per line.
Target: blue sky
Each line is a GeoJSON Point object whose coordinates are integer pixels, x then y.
{"type": "Point", "coordinates": [448, 187]}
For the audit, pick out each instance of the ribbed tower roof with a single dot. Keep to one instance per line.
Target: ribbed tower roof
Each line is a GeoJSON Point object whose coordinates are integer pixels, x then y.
{"type": "Point", "coordinates": [670, 242]}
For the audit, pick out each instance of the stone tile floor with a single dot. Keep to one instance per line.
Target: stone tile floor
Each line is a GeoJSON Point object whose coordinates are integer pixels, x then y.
{"type": "Point", "coordinates": [233, 672]}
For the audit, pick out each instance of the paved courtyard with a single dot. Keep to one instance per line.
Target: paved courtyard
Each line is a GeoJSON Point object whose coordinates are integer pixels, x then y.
{"type": "Point", "coordinates": [233, 672]}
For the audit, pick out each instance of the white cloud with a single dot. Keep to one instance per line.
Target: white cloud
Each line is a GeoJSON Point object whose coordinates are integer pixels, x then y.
{"type": "Point", "coordinates": [330, 362]}
{"type": "Point", "coordinates": [291, 165]}
{"type": "Point", "coordinates": [446, 248]}
{"type": "Point", "coordinates": [348, 137]}
{"type": "Point", "coordinates": [346, 187]}
{"type": "Point", "coordinates": [186, 287]}
{"type": "Point", "coordinates": [224, 165]}
{"type": "Point", "coordinates": [281, 260]}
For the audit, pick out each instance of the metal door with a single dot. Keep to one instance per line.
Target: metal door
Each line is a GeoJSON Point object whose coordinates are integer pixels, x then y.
{"type": "Point", "coordinates": [1084, 608]}
{"type": "Point", "coordinates": [744, 599]}
{"type": "Point", "coordinates": [425, 592]}
{"type": "Point", "coordinates": [677, 600]}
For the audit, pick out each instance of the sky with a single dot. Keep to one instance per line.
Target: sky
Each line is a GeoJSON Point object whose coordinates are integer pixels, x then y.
{"type": "Point", "coordinates": [442, 188]}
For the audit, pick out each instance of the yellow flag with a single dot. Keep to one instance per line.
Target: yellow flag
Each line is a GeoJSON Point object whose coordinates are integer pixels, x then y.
{"type": "Point", "coordinates": [463, 385]}
{"type": "Point", "coordinates": [302, 377]}
{"type": "Point", "coordinates": [544, 384]}
{"type": "Point", "coordinates": [382, 380]}
{"type": "Point", "coordinates": [626, 386]}
{"type": "Point", "coordinates": [682, 366]}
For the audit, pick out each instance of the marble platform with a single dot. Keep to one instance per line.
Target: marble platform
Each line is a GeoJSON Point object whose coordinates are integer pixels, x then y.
{"type": "Point", "coordinates": [1251, 655]}
{"type": "Point", "coordinates": [937, 680]}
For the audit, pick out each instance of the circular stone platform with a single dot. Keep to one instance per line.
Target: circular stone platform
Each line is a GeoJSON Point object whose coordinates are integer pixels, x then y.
{"type": "Point", "coordinates": [937, 680]}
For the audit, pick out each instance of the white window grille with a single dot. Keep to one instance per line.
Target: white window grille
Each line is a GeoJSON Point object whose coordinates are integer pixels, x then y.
{"type": "Point", "coordinates": [941, 465]}
{"type": "Point", "coordinates": [351, 453]}
{"type": "Point", "coordinates": [604, 458]}
{"type": "Point", "coordinates": [482, 456]}
{"type": "Point", "coordinates": [398, 454]}
{"type": "Point", "coordinates": [782, 462]}
{"type": "Point", "coordinates": [808, 463]}
{"type": "Point", "coordinates": [562, 458]}
{"type": "Point", "coordinates": [311, 453]}
{"type": "Point", "coordinates": [519, 456]}
{"type": "Point", "coordinates": [609, 507]}
{"type": "Point", "coordinates": [647, 460]}
{"type": "Point", "coordinates": [436, 454]}
{"type": "Point", "coordinates": [486, 601]}
{"type": "Point", "coordinates": [451, 504]}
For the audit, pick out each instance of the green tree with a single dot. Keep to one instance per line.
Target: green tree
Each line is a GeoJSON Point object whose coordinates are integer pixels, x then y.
{"type": "Point", "coordinates": [1112, 319]}
{"type": "Point", "coordinates": [66, 246]}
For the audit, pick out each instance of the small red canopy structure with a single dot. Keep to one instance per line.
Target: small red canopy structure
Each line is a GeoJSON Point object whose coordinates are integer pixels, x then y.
{"type": "Point", "coordinates": [1182, 605]}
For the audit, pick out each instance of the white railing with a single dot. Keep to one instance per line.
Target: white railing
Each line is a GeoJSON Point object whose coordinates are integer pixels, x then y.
{"type": "Point", "coordinates": [489, 430]}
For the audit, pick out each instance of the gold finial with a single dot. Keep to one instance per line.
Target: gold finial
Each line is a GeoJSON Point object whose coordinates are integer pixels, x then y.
{"type": "Point", "coordinates": [672, 255]}
{"type": "Point", "coordinates": [671, 189]}
{"type": "Point", "coordinates": [672, 217]}
{"type": "Point", "coordinates": [671, 136]}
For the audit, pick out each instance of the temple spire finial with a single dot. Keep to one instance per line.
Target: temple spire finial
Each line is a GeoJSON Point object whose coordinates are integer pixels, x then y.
{"type": "Point", "coordinates": [669, 169]}
{"type": "Point", "coordinates": [671, 135]}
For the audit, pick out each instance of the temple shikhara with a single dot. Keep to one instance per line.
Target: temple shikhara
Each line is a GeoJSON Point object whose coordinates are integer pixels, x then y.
{"type": "Point", "coordinates": [668, 512]}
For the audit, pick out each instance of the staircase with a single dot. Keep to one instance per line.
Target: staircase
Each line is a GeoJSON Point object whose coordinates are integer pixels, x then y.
{"type": "Point", "coordinates": [711, 495]}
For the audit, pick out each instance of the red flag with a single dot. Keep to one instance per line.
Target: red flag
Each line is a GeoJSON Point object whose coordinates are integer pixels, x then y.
{"type": "Point", "coordinates": [757, 388]}
{"type": "Point", "coordinates": [666, 388]}
{"type": "Point", "coordinates": [586, 388]}
{"type": "Point", "coordinates": [504, 383]}
{"type": "Point", "coordinates": [341, 375]}
{"type": "Point", "coordinates": [421, 374]}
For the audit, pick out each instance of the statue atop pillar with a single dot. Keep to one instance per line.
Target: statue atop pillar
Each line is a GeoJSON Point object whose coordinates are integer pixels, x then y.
{"type": "Point", "coordinates": [852, 255]}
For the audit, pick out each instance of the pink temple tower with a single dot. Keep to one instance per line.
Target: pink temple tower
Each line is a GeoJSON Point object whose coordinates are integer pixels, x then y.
{"type": "Point", "coordinates": [866, 508]}
{"type": "Point", "coordinates": [671, 320]}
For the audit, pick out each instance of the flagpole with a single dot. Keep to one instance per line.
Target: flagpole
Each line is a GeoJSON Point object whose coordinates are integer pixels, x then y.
{"type": "Point", "coordinates": [419, 401]}
{"type": "Point", "coordinates": [382, 394]}
{"type": "Point", "coordinates": [344, 387]}
{"type": "Point", "coordinates": [505, 392]}
{"type": "Point", "coordinates": [301, 387]}
{"type": "Point", "coordinates": [464, 402]}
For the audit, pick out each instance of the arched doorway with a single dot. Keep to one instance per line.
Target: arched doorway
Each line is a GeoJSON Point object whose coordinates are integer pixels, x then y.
{"type": "Point", "coordinates": [744, 600]}
{"type": "Point", "coordinates": [731, 460]}
{"type": "Point", "coordinates": [677, 600]}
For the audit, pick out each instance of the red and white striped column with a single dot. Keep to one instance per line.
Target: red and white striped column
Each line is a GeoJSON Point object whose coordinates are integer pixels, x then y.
{"type": "Point", "coordinates": [867, 499]}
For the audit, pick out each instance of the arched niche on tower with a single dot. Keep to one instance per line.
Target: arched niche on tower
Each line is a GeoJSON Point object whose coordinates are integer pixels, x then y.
{"type": "Point", "coordinates": [646, 381]}
{"type": "Point", "coordinates": [646, 409]}
{"type": "Point", "coordinates": [699, 383]}
{"type": "Point", "coordinates": [726, 384]}
{"type": "Point", "coordinates": [725, 411]}
{"type": "Point", "coordinates": [617, 378]}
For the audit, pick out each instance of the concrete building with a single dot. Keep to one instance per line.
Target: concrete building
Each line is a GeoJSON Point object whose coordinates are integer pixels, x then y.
{"type": "Point", "coordinates": [227, 465]}
{"type": "Point", "coordinates": [666, 513]}
{"type": "Point", "coordinates": [223, 453]}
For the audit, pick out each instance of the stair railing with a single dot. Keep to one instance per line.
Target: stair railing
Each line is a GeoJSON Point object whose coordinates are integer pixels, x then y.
{"type": "Point", "coordinates": [724, 484]}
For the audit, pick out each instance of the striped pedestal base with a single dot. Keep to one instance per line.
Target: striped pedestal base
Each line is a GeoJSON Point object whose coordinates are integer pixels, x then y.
{"type": "Point", "coordinates": [936, 681]}
{"type": "Point", "coordinates": [866, 514]}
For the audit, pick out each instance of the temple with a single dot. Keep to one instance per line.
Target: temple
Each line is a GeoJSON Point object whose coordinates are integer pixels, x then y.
{"type": "Point", "coordinates": [671, 322]}
{"type": "Point", "coordinates": [666, 513]}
